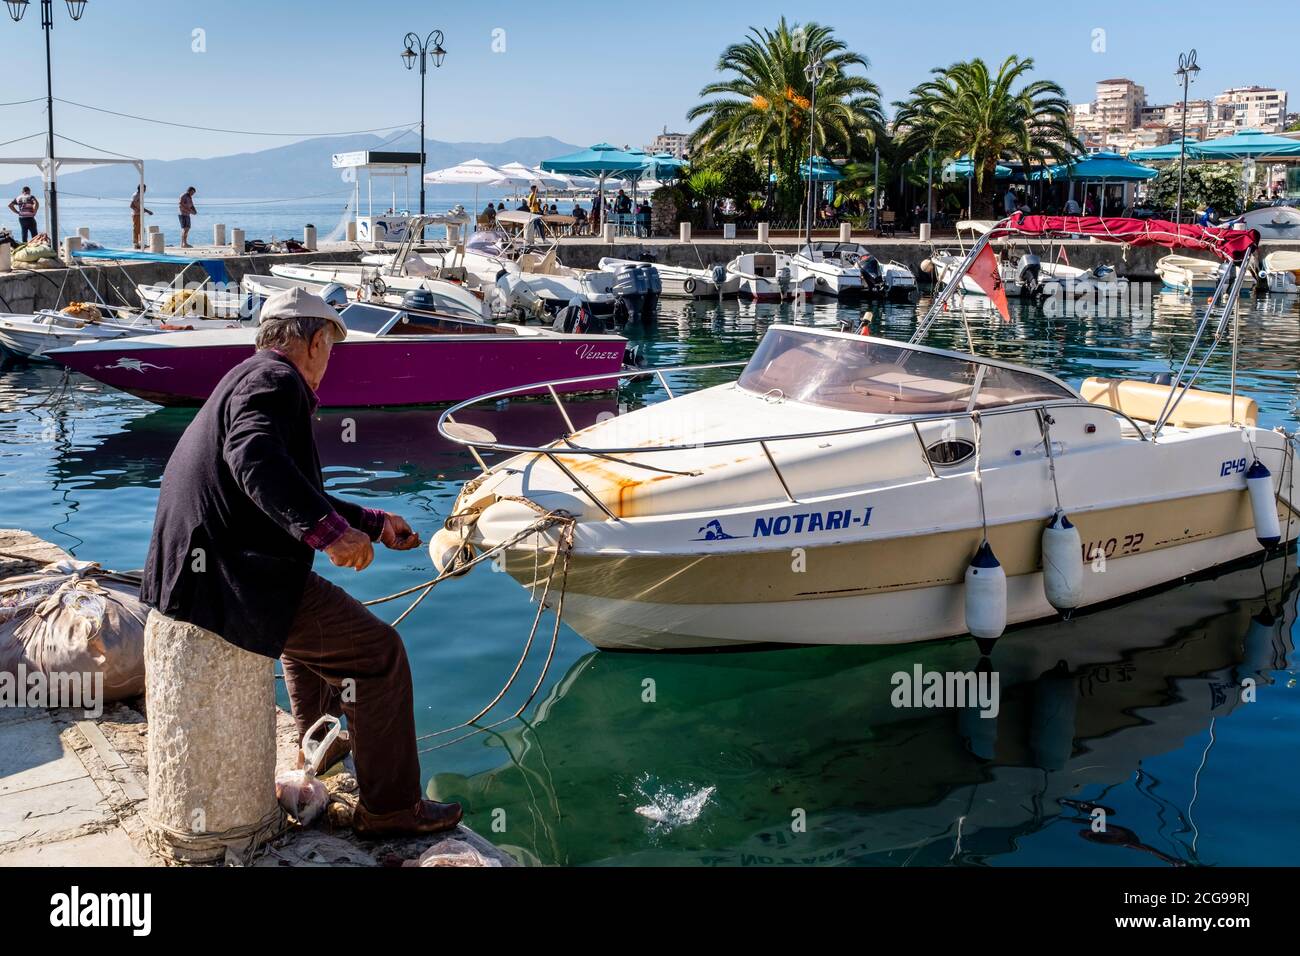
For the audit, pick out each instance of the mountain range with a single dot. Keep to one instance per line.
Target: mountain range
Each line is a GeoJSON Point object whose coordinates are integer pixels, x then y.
{"type": "Point", "coordinates": [300, 169]}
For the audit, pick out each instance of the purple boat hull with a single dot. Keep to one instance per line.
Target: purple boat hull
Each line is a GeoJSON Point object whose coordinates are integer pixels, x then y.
{"type": "Point", "coordinates": [395, 370]}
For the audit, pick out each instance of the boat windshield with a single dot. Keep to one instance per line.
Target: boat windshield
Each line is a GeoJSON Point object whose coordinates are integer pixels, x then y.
{"type": "Point", "coordinates": [867, 375]}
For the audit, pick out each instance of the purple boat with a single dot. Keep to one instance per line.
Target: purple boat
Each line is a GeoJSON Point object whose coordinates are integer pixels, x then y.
{"type": "Point", "coordinates": [390, 357]}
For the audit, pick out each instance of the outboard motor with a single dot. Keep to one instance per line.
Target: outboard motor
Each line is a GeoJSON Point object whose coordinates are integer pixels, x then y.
{"type": "Point", "coordinates": [719, 274]}
{"type": "Point", "coordinates": [569, 318]}
{"type": "Point", "coordinates": [873, 278]}
{"type": "Point", "coordinates": [335, 295]}
{"type": "Point", "coordinates": [653, 287]}
{"type": "Point", "coordinates": [629, 286]}
{"type": "Point", "coordinates": [1029, 272]}
{"type": "Point", "coordinates": [420, 300]}
{"type": "Point", "coordinates": [783, 280]}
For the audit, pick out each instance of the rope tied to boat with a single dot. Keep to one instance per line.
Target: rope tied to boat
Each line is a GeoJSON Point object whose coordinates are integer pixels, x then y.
{"type": "Point", "coordinates": [547, 520]}
{"type": "Point", "coordinates": [979, 478]}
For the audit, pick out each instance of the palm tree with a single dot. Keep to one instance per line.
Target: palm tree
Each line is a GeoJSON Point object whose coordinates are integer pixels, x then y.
{"type": "Point", "coordinates": [966, 109]}
{"type": "Point", "coordinates": [762, 108]}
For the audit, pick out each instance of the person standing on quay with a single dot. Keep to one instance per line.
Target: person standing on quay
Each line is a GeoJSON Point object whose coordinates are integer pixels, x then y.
{"type": "Point", "coordinates": [138, 212]}
{"type": "Point", "coordinates": [186, 210]}
{"type": "Point", "coordinates": [24, 206]}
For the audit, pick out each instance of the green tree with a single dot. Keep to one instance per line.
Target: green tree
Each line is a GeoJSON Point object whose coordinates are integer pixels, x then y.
{"type": "Point", "coordinates": [762, 107]}
{"type": "Point", "coordinates": [1204, 184]}
{"type": "Point", "coordinates": [708, 185]}
{"type": "Point", "coordinates": [966, 109]}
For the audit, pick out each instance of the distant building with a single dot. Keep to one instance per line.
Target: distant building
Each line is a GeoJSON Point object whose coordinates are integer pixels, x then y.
{"type": "Point", "coordinates": [1118, 105]}
{"type": "Point", "coordinates": [1251, 107]}
{"type": "Point", "coordinates": [671, 143]}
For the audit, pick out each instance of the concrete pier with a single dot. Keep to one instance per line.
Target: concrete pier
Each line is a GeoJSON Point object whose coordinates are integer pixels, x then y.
{"type": "Point", "coordinates": [73, 788]}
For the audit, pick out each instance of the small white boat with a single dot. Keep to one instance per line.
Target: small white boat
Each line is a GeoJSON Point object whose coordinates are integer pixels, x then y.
{"type": "Point", "coordinates": [1282, 271]}
{"type": "Point", "coordinates": [1189, 274]}
{"type": "Point", "coordinates": [1272, 222]}
{"type": "Point", "coordinates": [371, 283]}
{"type": "Point", "coordinates": [1027, 274]}
{"type": "Point", "coordinates": [30, 336]}
{"type": "Point", "coordinates": [768, 277]}
{"type": "Point", "coordinates": [165, 299]}
{"type": "Point", "coordinates": [682, 282]}
{"type": "Point", "coordinates": [850, 268]}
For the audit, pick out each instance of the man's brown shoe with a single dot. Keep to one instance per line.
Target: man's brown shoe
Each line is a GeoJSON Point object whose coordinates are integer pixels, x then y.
{"type": "Point", "coordinates": [427, 816]}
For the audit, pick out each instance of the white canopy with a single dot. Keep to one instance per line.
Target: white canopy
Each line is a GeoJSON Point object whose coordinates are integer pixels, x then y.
{"type": "Point", "coordinates": [526, 176]}
{"type": "Point", "coordinates": [473, 172]}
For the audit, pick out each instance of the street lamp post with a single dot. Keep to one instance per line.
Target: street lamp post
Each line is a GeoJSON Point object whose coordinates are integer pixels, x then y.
{"type": "Point", "coordinates": [423, 50]}
{"type": "Point", "coordinates": [814, 71]}
{"type": "Point", "coordinates": [1187, 69]}
{"type": "Point", "coordinates": [75, 9]}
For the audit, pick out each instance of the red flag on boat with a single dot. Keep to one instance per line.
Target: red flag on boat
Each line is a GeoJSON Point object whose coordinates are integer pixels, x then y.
{"type": "Point", "coordinates": [985, 274]}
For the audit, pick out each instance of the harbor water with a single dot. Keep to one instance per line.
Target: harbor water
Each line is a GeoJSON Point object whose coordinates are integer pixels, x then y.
{"type": "Point", "coordinates": [795, 755]}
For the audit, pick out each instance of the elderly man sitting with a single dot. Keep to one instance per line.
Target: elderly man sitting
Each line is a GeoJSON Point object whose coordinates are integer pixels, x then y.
{"type": "Point", "coordinates": [243, 489]}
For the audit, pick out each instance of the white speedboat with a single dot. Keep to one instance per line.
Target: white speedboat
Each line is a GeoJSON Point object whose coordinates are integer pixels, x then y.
{"type": "Point", "coordinates": [849, 268]}
{"type": "Point", "coordinates": [854, 490]}
{"type": "Point", "coordinates": [1282, 271]}
{"type": "Point", "coordinates": [768, 277]}
{"type": "Point", "coordinates": [1188, 273]}
{"type": "Point", "coordinates": [682, 282]}
{"type": "Point", "coordinates": [1024, 275]}
{"type": "Point", "coordinates": [1272, 222]}
{"type": "Point", "coordinates": [30, 336]}
{"type": "Point", "coordinates": [373, 284]}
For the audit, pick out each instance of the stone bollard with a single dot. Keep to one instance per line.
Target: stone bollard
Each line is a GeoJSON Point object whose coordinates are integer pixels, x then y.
{"type": "Point", "coordinates": [211, 743]}
{"type": "Point", "coordinates": [309, 238]}
{"type": "Point", "coordinates": [152, 229]}
{"type": "Point", "coordinates": [70, 245]}
{"type": "Point", "coordinates": [607, 233]}
{"type": "Point", "coordinates": [846, 232]}
{"type": "Point", "coordinates": [684, 231]}
{"type": "Point", "coordinates": [84, 232]}
{"type": "Point", "coordinates": [764, 232]}
{"type": "Point", "coordinates": [6, 258]}
{"type": "Point", "coordinates": [728, 230]}
{"type": "Point", "coordinates": [219, 234]}
{"type": "Point", "coordinates": [923, 232]}
{"type": "Point", "coordinates": [352, 231]}
{"type": "Point", "coordinates": [157, 242]}
{"type": "Point", "coordinates": [237, 241]}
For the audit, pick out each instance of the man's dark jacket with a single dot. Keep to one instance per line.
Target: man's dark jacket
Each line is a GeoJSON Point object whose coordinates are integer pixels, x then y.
{"type": "Point", "coordinates": [240, 492]}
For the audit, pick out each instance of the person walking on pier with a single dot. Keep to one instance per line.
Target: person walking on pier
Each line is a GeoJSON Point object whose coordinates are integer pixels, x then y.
{"type": "Point", "coordinates": [185, 207]}
{"type": "Point", "coordinates": [242, 512]}
{"type": "Point", "coordinates": [25, 206]}
{"type": "Point", "coordinates": [138, 212]}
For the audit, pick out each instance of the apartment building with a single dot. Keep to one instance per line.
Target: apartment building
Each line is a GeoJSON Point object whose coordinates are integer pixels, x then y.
{"type": "Point", "coordinates": [1251, 107]}
{"type": "Point", "coordinates": [666, 142]}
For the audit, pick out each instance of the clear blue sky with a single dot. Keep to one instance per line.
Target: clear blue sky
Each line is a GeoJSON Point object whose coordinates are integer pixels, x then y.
{"type": "Point", "coordinates": [575, 70]}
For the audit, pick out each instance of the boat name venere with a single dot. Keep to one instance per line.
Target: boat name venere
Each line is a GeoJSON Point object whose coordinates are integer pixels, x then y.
{"type": "Point", "coordinates": [805, 522]}
{"type": "Point", "coordinates": [599, 352]}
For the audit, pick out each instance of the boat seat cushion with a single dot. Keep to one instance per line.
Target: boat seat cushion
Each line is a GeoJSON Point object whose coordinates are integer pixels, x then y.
{"type": "Point", "coordinates": [1143, 401]}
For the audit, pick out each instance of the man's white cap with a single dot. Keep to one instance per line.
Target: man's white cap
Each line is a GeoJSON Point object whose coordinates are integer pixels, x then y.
{"type": "Point", "coordinates": [299, 303]}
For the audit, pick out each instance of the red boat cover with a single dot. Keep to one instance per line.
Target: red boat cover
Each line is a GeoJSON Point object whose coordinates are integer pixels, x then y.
{"type": "Point", "coordinates": [1227, 243]}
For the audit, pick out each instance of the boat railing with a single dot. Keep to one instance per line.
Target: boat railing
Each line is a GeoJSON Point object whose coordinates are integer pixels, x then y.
{"type": "Point", "coordinates": [479, 439]}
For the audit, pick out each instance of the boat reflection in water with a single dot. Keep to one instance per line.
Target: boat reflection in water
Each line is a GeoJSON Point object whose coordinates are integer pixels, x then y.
{"type": "Point", "coordinates": [715, 759]}
{"type": "Point", "coordinates": [389, 451]}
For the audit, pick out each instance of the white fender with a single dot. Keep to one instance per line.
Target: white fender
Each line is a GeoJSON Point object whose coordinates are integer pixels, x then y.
{"type": "Point", "coordinates": [1263, 505]}
{"type": "Point", "coordinates": [986, 598]}
{"type": "Point", "coordinates": [1062, 563]}
{"type": "Point", "coordinates": [444, 546]}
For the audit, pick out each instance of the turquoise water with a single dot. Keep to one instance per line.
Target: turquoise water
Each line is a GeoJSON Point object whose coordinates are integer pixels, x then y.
{"type": "Point", "coordinates": [795, 755]}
